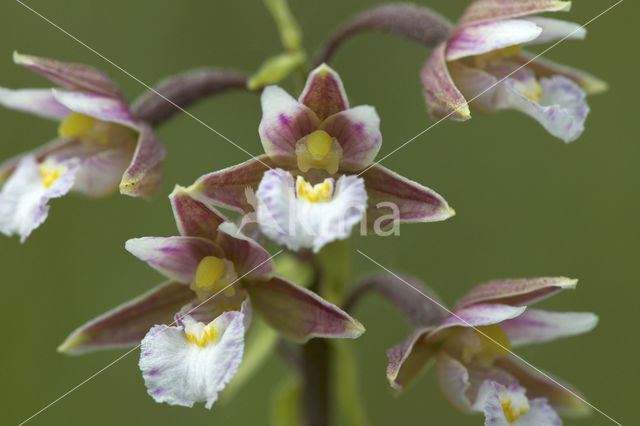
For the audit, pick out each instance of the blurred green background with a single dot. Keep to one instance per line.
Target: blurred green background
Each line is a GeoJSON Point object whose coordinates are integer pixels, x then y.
{"type": "Point", "coordinates": [527, 205]}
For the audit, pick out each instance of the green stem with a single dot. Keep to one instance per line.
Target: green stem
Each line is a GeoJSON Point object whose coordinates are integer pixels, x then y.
{"type": "Point", "coordinates": [333, 273]}
{"type": "Point", "coordinates": [316, 371]}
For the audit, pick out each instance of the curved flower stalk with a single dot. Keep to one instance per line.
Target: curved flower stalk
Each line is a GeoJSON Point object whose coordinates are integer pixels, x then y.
{"type": "Point", "coordinates": [482, 63]}
{"type": "Point", "coordinates": [100, 145]}
{"type": "Point", "coordinates": [471, 348]}
{"type": "Point", "coordinates": [216, 277]}
{"type": "Point", "coordinates": [324, 150]}
{"type": "Point", "coordinates": [416, 23]}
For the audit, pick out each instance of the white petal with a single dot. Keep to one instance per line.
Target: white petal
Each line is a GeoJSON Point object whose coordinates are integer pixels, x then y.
{"type": "Point", "coordinates": [556, 29]}
{"type": "Point", "coordinates": [24, 197]}
{"type": "Point", "coordinates": [562, 110]}
{"type": "Point", "coordinates": [284, 122]}
{"type": "Point", "coordinates": [178, 372]}
{"type": "Point", "coordinates": [494, 35]}
{"type": "Point", "coordinates": [40, 102]}
{"type": "Point", "coordinates": [296, 223]}
{"type": "Point", "coordinates": [536, 326]}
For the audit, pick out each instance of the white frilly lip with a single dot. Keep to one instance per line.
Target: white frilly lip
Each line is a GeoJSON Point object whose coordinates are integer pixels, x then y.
{"type": "Point", "coordinates": [179, 372]}
{"type": "Point", "coordinates": [496, 400]}
{"type": "Point", "coordinates": [295, 222]}
{"type": "Point", "coordinates": [24, 197]}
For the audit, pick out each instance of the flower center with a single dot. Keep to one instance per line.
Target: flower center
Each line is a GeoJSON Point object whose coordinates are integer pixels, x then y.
{"type": "Point", "coordinates": [484, 345]}
{"type": "Point", "coordinates": [495, 339]}
{"type": "Point", "coordinates": [214, 275]}
{"type": "Point", "coordinates": [319, 143]}
{"type": "Point", "coordinates": [93, 131]}
{"type": "Point", "coordinates": [209, 271]}
{"type": "Point", "coordinates": [512, 411]}
{"type": "Point", "coordinates": [314, 193]}
{"type": "Point", "coordinates": [482, 60]}
{"type": "Point", "coordinates": [318, 150]}
{"type": "Point", "coordinates": [50, 172]}
{"type": "Point", "coordinates": [199, 334]}
{"type": "Point", "coordinates": [75, 124]}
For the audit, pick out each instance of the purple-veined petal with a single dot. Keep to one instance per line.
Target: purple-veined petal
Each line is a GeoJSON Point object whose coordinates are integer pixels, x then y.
{"type": "Point", "coordinates": [194, 218]}
{"type": "Point", "coordinates": [414, 299]}
{"type": "Point", "coordinates": [250, 260]}
{"type": "Point", "coordinates": [300, 314]}
{"type": "Point", "coordinates": [483, 38]}
{"type": "Point", "coordinates": [508, 405]}
{"type": "Point", "coordinates": [292, 220]}
{"type": "Point", "coordinates": [175, 257]}
{"type": "Point", "coordinates": [492, 10]}
{"type": "Point", "coordinates": [556, 29]}
{"type": "Point", "coordinates": [227, 188]}
{"type": "Point", "coordinates": [143, 177]}
{"type": "Point", "coordinates": [536, 326]}
{"type": "Point", "coordinates": [478, 315]}
{"type": "Point", "coordinates": [562, 109]}
{"type": "Point", "coordinates": [390, 193]}
{"type": "Point", "coordinates": [561, 396]}
{"type": "Point", "coordinates": [410, 359]}
{"type": "Point", "coordinates": [73, 76]}
{"type": "Point", "coordinates": [324, 93]}
{"type": "Point", "coordinates": [441, 95]}
{"type": "Point", "coordinates": [40, 102]}
{"type": "Point", "coordinates": [453, 378]}
{"type": "Point", "coordinates": [24, 197]}
{"type": "Point", "coordinates": [126, 325]}
{"type": "Point", "coordinates": [284, 122]}
{"type": "Point", "coordinates": [516, 292]}
{"type": "Point", "coordinates": [358, 132]}
{"type": "Point", "coordinates": [546, 68]}
{"type": "Point", "coordinates": [101, 107]}
{"type": "Point", "coordinates": [179, 372]}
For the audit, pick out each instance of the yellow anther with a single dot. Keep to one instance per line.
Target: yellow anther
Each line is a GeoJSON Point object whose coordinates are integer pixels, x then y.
{"type": "Point", "coordinates": [50, 172]}
{"type": "Point", "coordinates": [319, 143]}
{"type": "Point", "coordinates": [201, 337]}
{"type": "Point", "coordinates": [75, 124]}
{"type": "Point", "coordinates": [210, 270]}
{"type": "Point", "coordinates": [496, 340]}
{"type": "Point", "coordinates": [314, 193]}
{"type": "Point", "coordinates": [511, 412]}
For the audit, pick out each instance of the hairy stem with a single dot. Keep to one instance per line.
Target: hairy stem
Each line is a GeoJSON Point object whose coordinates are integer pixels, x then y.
{"type": "Point", "coordinates": [332, 268]}
{"type": "Point", "coordinates": [316, 370]}
{"type": "Point", "coordinates": [415, 23]}
{"type": "Point", "coordinates": [184, 90]}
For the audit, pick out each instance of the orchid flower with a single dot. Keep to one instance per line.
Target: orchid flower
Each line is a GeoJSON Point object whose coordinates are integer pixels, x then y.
{"type": "Point", "coordinates": [324, 151]}
{"type": "Point", "coordinates": [483, 63]}
{"type": "Point", "coordinates": [472, 346]}
{"type": "Point", "coordinates": [100, 145]}
{"type": "Point", "coordinates": [216, 277]}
